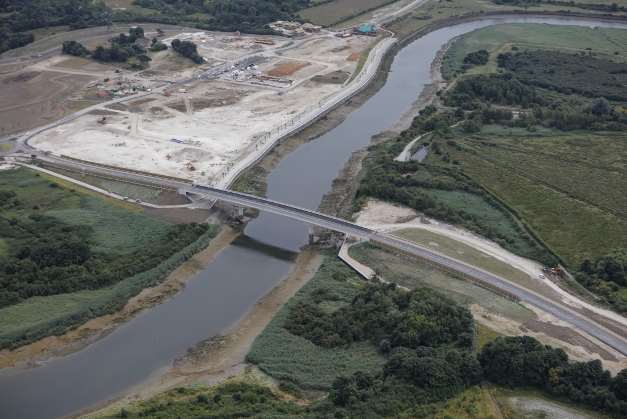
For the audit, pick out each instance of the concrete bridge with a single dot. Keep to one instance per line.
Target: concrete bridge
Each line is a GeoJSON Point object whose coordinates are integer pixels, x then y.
{"type": "Point", "coordinates": [615, 338]}
{"type": "Point", "coordinates": [476, 275]}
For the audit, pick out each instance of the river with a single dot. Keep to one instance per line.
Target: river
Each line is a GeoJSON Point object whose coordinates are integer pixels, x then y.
{"type": "Point", "coordinates": [226, 290]}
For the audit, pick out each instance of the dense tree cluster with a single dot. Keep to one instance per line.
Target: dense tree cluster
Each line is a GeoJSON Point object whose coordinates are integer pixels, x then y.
{"type": "Point", "coordinates": [19, 16]}
{"type": "Point", "coordinates": [388, 317]}
{"type": "Point", "coordinates": [480, 57]}
{"type": "Point", "coordinates": [75, 48]}
{"type": "Point", "coordinates": [227, 15]}
{"type": "Point", "coordinates": [187, 49]}
{"type": "Point", "coordinates": [605, 276]}
{"type": "Point", "coordinates": [498, 89]}
{"type": "Point", "coordinates": [9, 40]}
{"type": "Point", "coordinates": [529, 74]}
{"type": "Point", "coordinates": [525, 362]}
{"type": "Point", "coordinates": [51, 257]}
{"type": "Point", "coordinates": [122, 49]}
{"type": "Point", "coordinates": [423, 375]}
{"type": "Point", "coordinates": [429, 356]}
{"type": "Point", "coordinates": [410, 378]}
{"type": "Point", "coordinates": [568, 73]}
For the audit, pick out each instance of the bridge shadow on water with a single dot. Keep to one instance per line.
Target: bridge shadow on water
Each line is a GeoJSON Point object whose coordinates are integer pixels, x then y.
{"type": "Point", "coordinates": [247, 242]}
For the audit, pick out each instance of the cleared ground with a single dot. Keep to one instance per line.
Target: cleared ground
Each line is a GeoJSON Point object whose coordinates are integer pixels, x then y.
{"type": "Point", "coordinates": [32, 98]}
{"type": "Point", "coordinates": [198, 131]}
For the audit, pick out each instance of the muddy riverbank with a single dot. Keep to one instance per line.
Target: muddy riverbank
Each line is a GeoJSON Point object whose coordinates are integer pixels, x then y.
{"type": "Point", "coordinates": [35, 353]}
{"type": "Point", "coordinates": [241, 274]}
{"type": "Point", "coordinates": [220, 357]}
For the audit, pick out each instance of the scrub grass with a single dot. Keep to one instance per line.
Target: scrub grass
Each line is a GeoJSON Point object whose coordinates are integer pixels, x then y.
{"type": "Point", "coordinates": [569, 188]}
{"type": "Point", "coordinates": [121, 239]}
{"type": "Point", "coordinates": [336, 11]}
{"type": "Point", "coordinates": [484, 335]}
{"type": "Point", "coordinates": [119, 227]}
{"type": "Point", "coordinates": [603, 42]}
{"type": "Point", "coordinates": [411, 273]}
{"type": "Point", "coordinates": [294, 359]}
{"type": "Point", "coordinates": [532, 404]}
{"type": "Point", "coordinates": [468, 254]}
{"type": "Point", "coordinates": [473, 403]}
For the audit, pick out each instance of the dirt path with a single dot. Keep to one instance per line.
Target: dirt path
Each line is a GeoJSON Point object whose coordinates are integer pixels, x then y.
{"type": "Point", "coordinates": [32, 354]}
{"type": "Point", "coordinates": [388, 217]}
{"type": "Point", "coordinates": [221, 357]}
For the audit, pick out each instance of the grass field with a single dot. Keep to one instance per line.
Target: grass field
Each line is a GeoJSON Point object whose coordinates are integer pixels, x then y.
{"type": "Point", "coordinates": [119, 229]}
{"type": "Point", "coordinates": [474, 403]}
{"type": "Point", "coordinates": [569, 187]}
{"type": "Point", "coordinates": [467, 254]}
{"type": "Point", "coordinates": [603, 42]}
{"type": "Point", "coordinates": [411, 273]}
{"type": "Point", "coordinates": [335, 11]}
{"type": "Point", "coordinates": [295, 359]}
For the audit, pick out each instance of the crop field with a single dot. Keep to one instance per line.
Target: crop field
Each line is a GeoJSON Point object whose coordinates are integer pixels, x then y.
{"type": "Point", "coordinates": [603, 42]}
{"type": "Point", "coordinates": [335, 11]}
{"type": "Point", "coordinates": [569, 187]}
{"type": "Point", "coordinates": [295, 359]}
{"type": "Point", "coordinates": [411, 273]}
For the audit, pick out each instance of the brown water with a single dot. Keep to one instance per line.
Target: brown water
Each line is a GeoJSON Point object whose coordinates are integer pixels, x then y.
{"type": "Point", "coordinates": [228, 288]}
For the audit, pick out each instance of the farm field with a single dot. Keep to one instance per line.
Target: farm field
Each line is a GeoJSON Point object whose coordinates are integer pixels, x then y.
{"type": "Point", "coordinates": [116, 252]}
{"type": "Point", "coordinates": [603, 43]}
{"type": "Point", "coordinates": [568, 187]}
{"type": "Point", "coordinates": [336, 11]}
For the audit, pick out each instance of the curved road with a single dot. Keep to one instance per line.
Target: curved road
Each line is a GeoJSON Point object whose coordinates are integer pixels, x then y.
{"type": "Point", "coordinates": [337, 224]}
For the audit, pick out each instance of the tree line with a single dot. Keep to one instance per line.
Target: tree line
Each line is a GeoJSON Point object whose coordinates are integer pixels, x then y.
{"type": "Point", "coordinates": [122, 49]}
{"type": "Point", "coordinates": [20, 16]}
{"type": "Point", "coordinates": [606, 276]}
{"type": "Point", "coordinates": [50, 257]}
{"type": "Point", "coordinates": [428, 343]}
{"type": "Point", "coordinates": [251, 16]}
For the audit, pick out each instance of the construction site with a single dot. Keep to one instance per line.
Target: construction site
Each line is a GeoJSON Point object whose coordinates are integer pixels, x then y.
{"type": "Point", "coordinates": [197, 121]}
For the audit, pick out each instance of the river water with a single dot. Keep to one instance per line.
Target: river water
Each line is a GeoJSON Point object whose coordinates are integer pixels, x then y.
{"type": "Point", "coordinates": [226, 290]}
